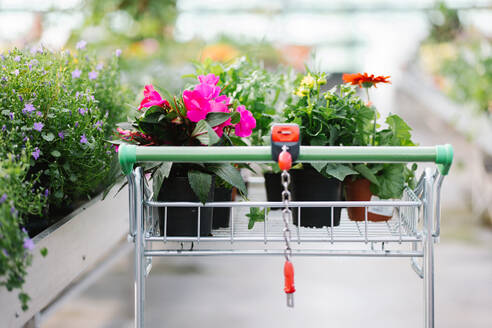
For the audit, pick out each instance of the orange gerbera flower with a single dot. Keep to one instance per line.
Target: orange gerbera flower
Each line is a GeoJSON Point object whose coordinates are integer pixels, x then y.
{"type": "Point", "coordinates": [364, 80]}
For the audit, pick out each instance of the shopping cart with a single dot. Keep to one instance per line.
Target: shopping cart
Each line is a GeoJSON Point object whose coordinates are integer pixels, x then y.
{"type": "Point", "coordinates": [411, 233]}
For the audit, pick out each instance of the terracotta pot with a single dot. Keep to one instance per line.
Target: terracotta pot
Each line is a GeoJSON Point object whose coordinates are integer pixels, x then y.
{"type": "Point", "coordinates": [360, 190]}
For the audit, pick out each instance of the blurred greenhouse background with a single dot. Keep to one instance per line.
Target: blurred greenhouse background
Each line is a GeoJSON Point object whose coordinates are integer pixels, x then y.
{"type": "Point", "coordinates": [439, 57]}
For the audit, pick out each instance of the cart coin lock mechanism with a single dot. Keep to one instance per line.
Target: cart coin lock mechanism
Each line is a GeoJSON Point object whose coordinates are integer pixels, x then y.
{"type": "Point", "coordinates": [411, 233]}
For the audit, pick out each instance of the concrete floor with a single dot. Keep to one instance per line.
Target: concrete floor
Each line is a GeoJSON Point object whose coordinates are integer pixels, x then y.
{"type": "Point", "coordinates": [247, 292]}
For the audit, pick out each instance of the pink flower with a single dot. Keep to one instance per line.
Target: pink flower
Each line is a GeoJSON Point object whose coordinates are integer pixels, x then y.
{"type": "Point", "coordinates": [197, 106]}
{"type": "Point", "coordinates": [210, 79]}
{"type": "Point", "coordinates": [208, 91]}
{"type": "Point", "coordinates": [246, 124]}
{"type": "Point", "coordinates": [152, 98]}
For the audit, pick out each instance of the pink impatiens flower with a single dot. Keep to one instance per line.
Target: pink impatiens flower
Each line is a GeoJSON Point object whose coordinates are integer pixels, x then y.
{"type": "Point", "coordinates": [152, 98]}
{"type": "Point", "coordinates": [210, 79]}
{"type": "Point", "coordinates": [246, 124]}
{"type": "Point", "coordinates": [197, 106]}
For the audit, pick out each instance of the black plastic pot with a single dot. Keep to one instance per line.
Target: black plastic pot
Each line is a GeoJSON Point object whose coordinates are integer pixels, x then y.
{"type": "Point", "coordinates": [183, 221]}
{"type": "Point", "coordinates": [310, 185]}
{"type": "Point", "coordinates": [221, 214]}
{"type": "Point", "coordinates": [273, 187]}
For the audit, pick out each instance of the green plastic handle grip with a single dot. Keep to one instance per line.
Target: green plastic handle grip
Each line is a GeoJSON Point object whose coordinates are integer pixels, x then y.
{"type": "Point", "coordinates": [442, 155]}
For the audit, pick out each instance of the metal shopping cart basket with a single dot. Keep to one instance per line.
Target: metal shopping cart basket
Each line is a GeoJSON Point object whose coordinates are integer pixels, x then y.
{"type": "Point", "coordinates": [411, 233]}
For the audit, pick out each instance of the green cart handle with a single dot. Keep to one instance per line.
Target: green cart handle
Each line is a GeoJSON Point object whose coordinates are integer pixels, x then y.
{"type": "Point", "coordinates": [442, 155]}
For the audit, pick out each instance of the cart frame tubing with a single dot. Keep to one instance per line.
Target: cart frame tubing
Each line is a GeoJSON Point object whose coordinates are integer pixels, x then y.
{"type": "Point", "coordinates": [129, 155]}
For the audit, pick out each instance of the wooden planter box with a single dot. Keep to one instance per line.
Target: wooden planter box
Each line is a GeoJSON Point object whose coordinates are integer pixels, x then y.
{"type": "Point", "coordinates": [75, 244]}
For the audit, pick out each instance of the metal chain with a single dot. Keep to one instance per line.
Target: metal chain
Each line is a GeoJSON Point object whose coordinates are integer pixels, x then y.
{"type": "Point", "coordinates": [286, 212]}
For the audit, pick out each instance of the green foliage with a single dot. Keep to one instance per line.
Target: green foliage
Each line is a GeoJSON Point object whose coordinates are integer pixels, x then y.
{"type": "Point", "coordinates": [256, 215]}
{"type": "Point", "coordinates": [16, 194]}
{"type": "Point", "coordinates": [262, 92]}
{"type": "Point", "coordinates": [50, 101]}
{"type": "Point", "coordinates": [445, 23]}
{"type": "Point", "coordinates": [343, 119]}
{"type": "Point", "coordinates": [469, 74]}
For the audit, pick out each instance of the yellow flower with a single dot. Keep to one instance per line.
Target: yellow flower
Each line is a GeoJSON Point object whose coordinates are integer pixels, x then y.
{"type": "Point", "coordinates": [301, 92]}
{"type": "Point", "coordinates": [307, 82]}
{"type": "Point", "coordinates": [321, 81]}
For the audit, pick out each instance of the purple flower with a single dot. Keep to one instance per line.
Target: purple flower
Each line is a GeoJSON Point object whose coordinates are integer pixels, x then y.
{"type": "Point", "coordinates": [61, 135]}
{"type": "Point", "coordinates": [93, 75]}
{"type": "Point", "coordinates": [117, 52]}
{"type": "Point", "coordinates": [1, 56]}
{"type": "Point", "coordinates": [3, 198]}
{"type": "Point", "coordinates": [82, 111]}
{"type": "Point", "coordinates": [39, 113]}
{"type": "Point", "coordinates": [76, 124]}
{"type": "Point", "coordinates": [28, 244]}
{"type": "Point", "coordinates": [98, 125]}
{"type": "Point", "coordinates": [76, 74]}
{"type": "Point", "coordinates": [34, 62]}
{"type": "Point", "coordinates": [38, 126]}
{"type": "Point", "coordinates": [36, 153]}
{"type": "Point", "coordinates": [11, 115]}
{"type": "Point", "coordinates": [81, 45]}
{"type": "Point", "coordinates": [99, 66]}
{"type": "Point", "coordinates": [20, 98]}
{"type": "Point", "coordinates": [17, 59]}
{"type": "Point", "coordinates": [25, 139]}
{"type": "Point", "coordinates": [46, 193]}
{"type": "Point", "coordinates": [83, 139]}
{"type": "Point", "coordinates": [28, 108]}
{"type": "Point", "coordinates": [13, 211]}
{"type": "Point", "coordinates": [4, 127]}
{"type": "Point", "coordinates": [16, 72]}
{"type": "Point", "coordinates": [5, 253]}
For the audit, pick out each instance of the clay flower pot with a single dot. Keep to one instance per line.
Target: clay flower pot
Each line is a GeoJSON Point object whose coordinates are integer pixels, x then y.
{"type": "Point", "coordinates": [360, 190]}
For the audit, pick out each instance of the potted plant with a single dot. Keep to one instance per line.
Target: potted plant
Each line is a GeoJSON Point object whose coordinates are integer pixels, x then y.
{"type": "Point", "coordinates": [200, 116]}
{"type": "Point", "coordinates": [325, 119]}
{"type": "Point", "coordinates": [378, 181]}
{"type": "Point", "coordinates": [263, 92]}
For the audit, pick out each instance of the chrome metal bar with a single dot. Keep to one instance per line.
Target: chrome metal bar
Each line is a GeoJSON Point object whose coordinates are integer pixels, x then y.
{"type": "Point", "coordinates": [417, 268]}
{"type": "Point", "coordinates": [437, 230]}
{"type": "Point", "coordinates": [428, 244]}
{"type": "Point", "coordinates": [131, 207]}
{"type": "Point", "coordinates": [139, 250]}
{"type": "Point", "coordinates": [365, 224]}
{"type": "Point", "coordinates": [279, 204]}
{"type": "Point", "coordinates": [331, 230]}
{"type": "Point", "coordinates": [274, 239]}
{"type": "Point", "coordinates": [232, 225]}
{"type": "Point", "coordinates": [265, 225]}
{"type": "Point", "coordinates": [198, 224]}
{"type": "Point", "coordinates": [165, 224]}
{"type": "Point", "coordinates": [323, 252]}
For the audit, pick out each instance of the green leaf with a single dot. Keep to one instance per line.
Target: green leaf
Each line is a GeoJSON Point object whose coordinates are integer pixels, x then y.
{"type": "Point", "coordinates": [43, 251]}
{"type": "Point", "coordinates": [217, 118]}
{"type": "Point", "coordinates": [338, 171]}
{"type": "Point", "coordinates": [235, 118]}
{"type": "Point", "coordinates": [391, 182]}
{"type": "Point", "coordinates": [201, 183]}
{"type": "Point", "coordinates": [229, 174]}
{"type": "Point", "coordinates": [319, 166]}
{"type": "Point", "coordinates": [159, 175]}
{"type": "Point", "coordinates": [205, 134]}
{"type": "Point", "coordinates": [49, 136]}
{"type": "Point", "coordinates": [367, 173]}
{"type": "Point", "coordinates": [55, 153]}
{"type": "Point", "coordinates": [319, 140]}
{"type": "Point", "coordinates": [255, 215]}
